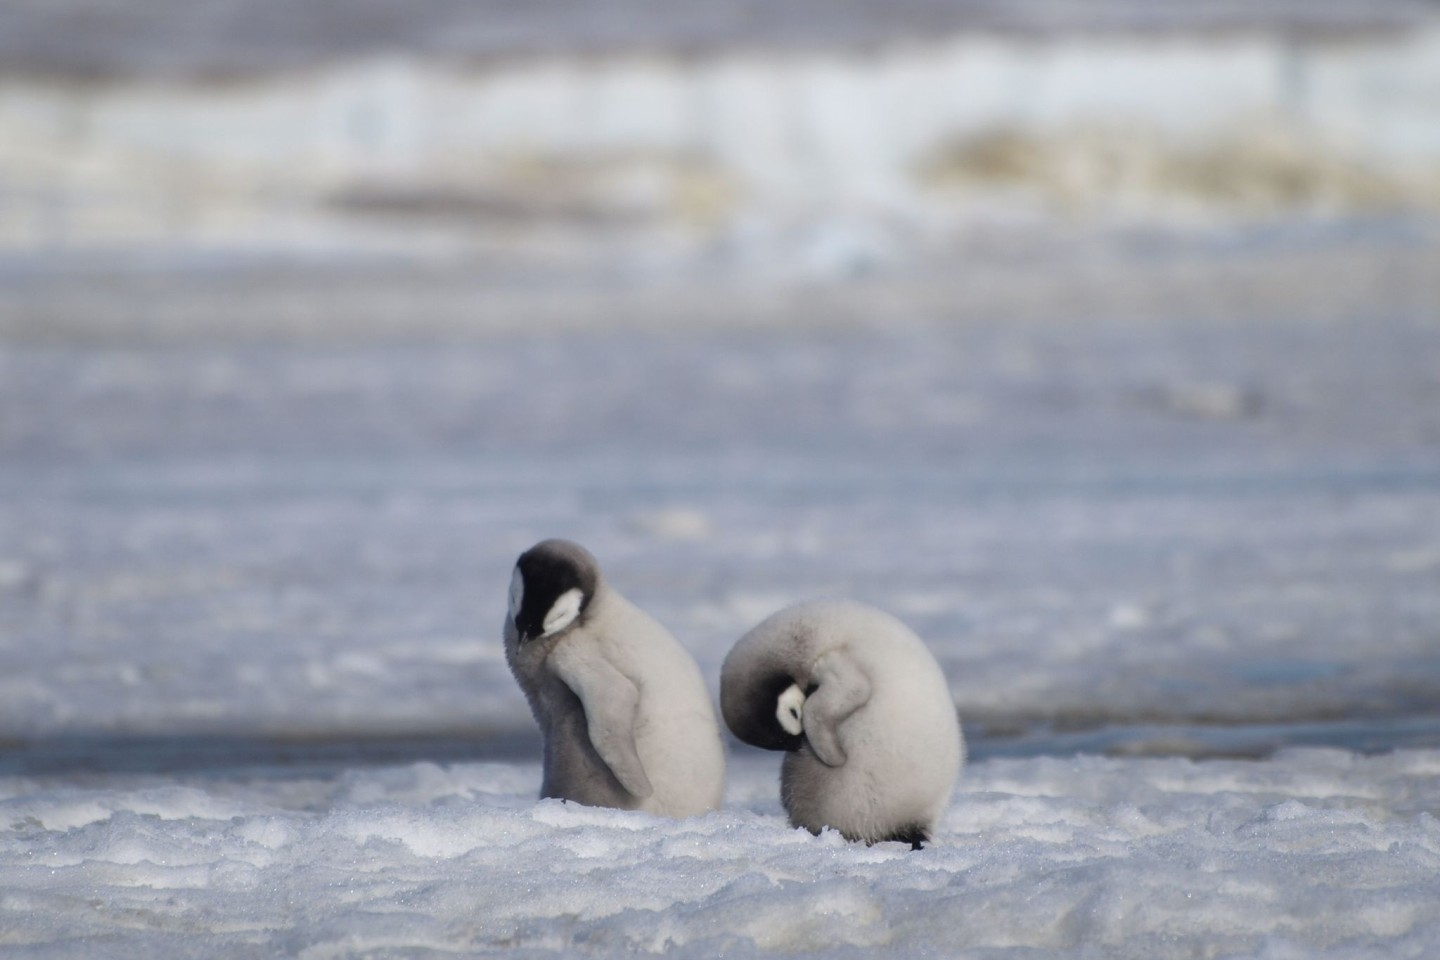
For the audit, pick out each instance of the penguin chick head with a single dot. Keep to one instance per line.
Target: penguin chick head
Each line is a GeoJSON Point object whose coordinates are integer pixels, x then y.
{"type": "Point", "coordinates": [765, 711]}
{"type": "Point", "coordinates": [553, 584]}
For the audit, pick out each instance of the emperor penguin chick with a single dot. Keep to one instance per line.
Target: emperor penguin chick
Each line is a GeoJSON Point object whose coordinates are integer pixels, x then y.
{"type": "Point", "coordinates": [626, 717]}
{"type": "Point", "coordinates": [864, 711]}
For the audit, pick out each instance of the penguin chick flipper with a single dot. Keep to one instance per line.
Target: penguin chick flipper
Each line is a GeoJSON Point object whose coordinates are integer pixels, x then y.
{"type": "Point", "coordinates": [610, 701]}
{"type": "Point", "coordinates": [841, 688]}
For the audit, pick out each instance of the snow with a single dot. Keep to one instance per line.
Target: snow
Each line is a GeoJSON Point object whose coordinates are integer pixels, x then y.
{"type": "Point", "coordinates": [253, 700]}
{"type": "Point", "coordinates": [318, 538]}
{"type": "Point", "coordinates": [1313, 853]}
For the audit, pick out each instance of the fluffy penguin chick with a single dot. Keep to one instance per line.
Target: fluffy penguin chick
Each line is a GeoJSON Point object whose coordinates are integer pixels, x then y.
{"type": "Point", "coordinates": [625, 714]}
{"type": "Point", "coordinates": [864, 711]}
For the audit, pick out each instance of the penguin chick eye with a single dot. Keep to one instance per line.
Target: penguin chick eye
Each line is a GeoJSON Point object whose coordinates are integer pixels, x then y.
{"type": "Point", "coordinates": [563, 611]}
{"type": "Point", "coordinates": [787, 709]}
{"type": "Point", "coordinates": [517, 592]}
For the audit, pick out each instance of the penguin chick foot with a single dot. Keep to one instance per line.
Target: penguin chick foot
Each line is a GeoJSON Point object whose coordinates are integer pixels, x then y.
{"type": "Point", "coordinates": [916, 836]}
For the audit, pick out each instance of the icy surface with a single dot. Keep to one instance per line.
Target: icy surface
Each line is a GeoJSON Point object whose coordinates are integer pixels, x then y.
{"type": "Point", "coordinates": [1091, 520]}
{"type": "Point", "coordinates": [1313, 854]}
{"type": "Point", "coordinates": [253, 701]}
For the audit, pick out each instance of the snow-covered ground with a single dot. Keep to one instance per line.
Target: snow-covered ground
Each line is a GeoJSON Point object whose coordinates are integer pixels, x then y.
{"type": "Point", "coordinates": [253, 700]}
{"type": "Point", "coordinates": [1315, 853]}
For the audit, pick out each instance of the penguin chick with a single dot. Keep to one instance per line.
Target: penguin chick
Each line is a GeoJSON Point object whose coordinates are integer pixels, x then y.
{"type": "Point", "coordinates": [863, 710]}
{"type": "Point", "coordinates": [626, 717]}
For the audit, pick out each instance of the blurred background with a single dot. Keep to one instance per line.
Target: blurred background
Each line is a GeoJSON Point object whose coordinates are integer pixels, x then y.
{"type": "Point", "coordinates": [1099, 340]}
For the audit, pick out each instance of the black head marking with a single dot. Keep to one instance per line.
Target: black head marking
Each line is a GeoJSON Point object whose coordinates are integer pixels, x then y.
{"type": "Point", "coordinates": [753, 719]}
{"type": "Point", "coordinates": [547, 572]}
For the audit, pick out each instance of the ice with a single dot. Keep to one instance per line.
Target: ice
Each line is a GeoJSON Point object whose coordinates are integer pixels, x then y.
{"type": "Point", "coordinates": [323, 550]}
{"type": "Point", "coordinates": [1315, 853]}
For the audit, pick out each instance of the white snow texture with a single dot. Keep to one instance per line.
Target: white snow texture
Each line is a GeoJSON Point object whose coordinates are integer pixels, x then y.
{"type": "Point", "coordinates": [1317, 853]}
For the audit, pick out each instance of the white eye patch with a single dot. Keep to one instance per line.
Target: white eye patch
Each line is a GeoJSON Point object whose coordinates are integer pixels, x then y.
{"type": "Point", "coordinates": [788, 707]}
{"type": "Point", "coordinates": [563, 612]}
{"type": "Point", "coordinates": [517, 592]}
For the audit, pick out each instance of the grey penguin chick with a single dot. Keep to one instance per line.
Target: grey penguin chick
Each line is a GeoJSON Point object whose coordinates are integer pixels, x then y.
{"type": "Point", "coordinates": [864, 711]}
{"type": "Point", "coordinates": [626, 717]}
